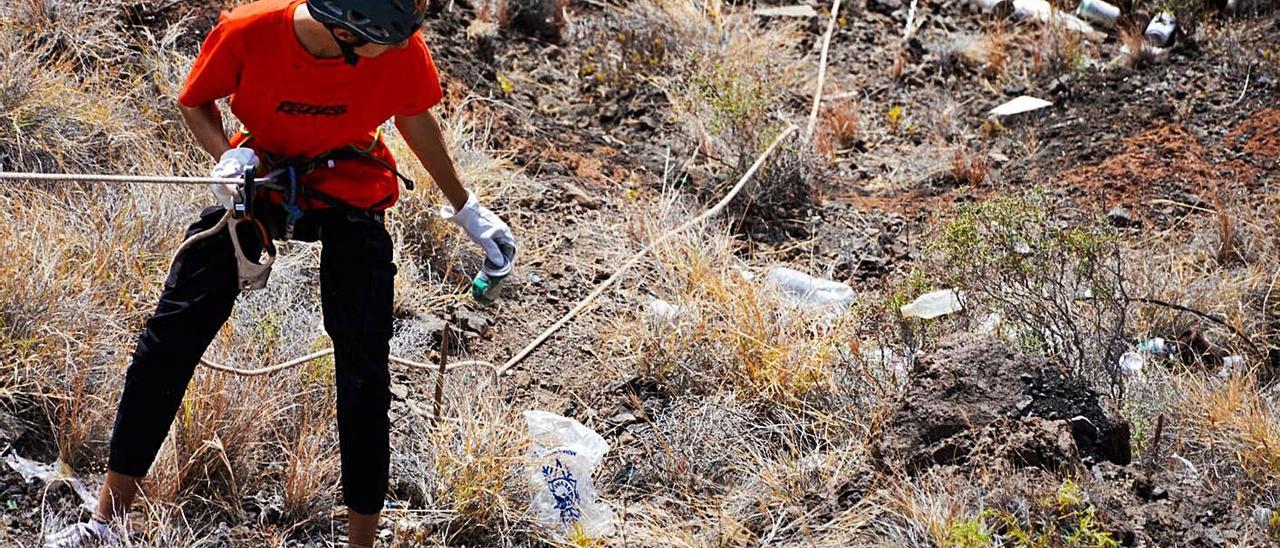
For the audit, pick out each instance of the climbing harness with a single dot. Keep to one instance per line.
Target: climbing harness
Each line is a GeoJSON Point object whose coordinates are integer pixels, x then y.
{"type": "Point", "coordinates": [286, 174]}
{"type": "Point", "coordinates": [507, 366]}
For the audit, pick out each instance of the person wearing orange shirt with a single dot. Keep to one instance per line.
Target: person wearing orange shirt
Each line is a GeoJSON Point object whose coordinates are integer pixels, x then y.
{"type": "Point", "coordinates": [311, 81]}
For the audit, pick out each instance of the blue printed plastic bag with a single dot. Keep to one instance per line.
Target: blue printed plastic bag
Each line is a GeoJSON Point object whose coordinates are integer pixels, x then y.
{"type": "Point", "coordinates": [563, 456]}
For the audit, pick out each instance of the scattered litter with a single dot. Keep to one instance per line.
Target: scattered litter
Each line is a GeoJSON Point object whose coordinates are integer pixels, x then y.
{"type": "Point", "coordinates": [1025, 103]}
{"type": "Point", "coordinates": [808, 291]}
{"type": "Point", "coordinates": [1151, 52]}
{"type": "Point", "coordinates": [889, 359]}
{"type": "Point", "coordinates": [1162, 28]}
{"type": "Point", "coordinates": [1263, 517]}
{"type": "Point", "coordinates": [986, 5]}
{"type": "Point", "coordinates": [1243, 7]}
{"type": "Point", "coordinates": [55, 472]}
{"type": "Point", "coordinates": [1022, 248]}
{"type": "Point", "coordinates": [934, 304]}
{"type": "Point", "coordinates": [1099, 12]}
{"type": "Point", "coordinates": [563, 456]}
{"type": "Point", "coordinates": [1131, 363]}
{"type": "Point", "coordinates": [1156, 347]}
{"type": "Point", "coordinates": [787, 11]}
{"type": "Point", "coordinates": [1041, 10]}
{"type": "Point", "coordinates": [664, 312]}
{"type": "Point", "coordinates": [1187, 463]}
{"type": "Point", "coordinates": [1230, 366]}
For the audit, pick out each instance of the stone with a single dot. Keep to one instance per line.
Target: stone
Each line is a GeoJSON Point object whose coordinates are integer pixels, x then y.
{"type": "Point", "coordinates": [1121, 217]}
{"type": "Point", "coordinates": [973, 391]}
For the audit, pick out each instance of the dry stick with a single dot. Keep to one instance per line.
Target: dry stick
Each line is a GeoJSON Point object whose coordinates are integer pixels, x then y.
{"type": "Point", "coordinates": [1155, 447]}
{"type": "Point", "coordinates": [822, 71]}
{"type": "Point", "coordinates": [617, 275]}
{"type": "Point", "coordinates": [1204, 315]}
{"type": "Point", "coordinates": [444, 367]}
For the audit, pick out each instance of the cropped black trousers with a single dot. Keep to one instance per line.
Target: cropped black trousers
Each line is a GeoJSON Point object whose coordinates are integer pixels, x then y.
{"type": "Point", "coordinates": [356, 287]}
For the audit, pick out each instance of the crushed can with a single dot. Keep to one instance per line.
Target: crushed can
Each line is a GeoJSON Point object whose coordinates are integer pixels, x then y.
{"type": "Point", "coordinates": [987, 6]}
{"type": "Point", "coordinates": [1098, 12]}
{"type": "Point", "coordinates": [487, 285]}
{"type": "Point", "coordinates": [1162, 29]}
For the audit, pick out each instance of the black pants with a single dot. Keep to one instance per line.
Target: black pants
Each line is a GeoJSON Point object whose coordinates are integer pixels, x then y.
{"type": "Point", "coordinates": [356, 284]}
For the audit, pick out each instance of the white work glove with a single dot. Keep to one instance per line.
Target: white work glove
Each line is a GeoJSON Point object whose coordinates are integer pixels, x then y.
{"type": "Point", "coordinates": [484, 228]}
{"type": "Point", "coordinates": [234, 163]}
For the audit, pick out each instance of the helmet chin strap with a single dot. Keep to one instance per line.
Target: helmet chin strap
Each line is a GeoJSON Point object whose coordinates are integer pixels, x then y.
{"type": "Point", "coordinates": [348, 49]}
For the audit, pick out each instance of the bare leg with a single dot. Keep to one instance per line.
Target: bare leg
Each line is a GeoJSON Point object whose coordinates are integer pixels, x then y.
{"type": "Point", "coordinates": [362, 529]}
{"type": "Point", "coordinates": [117, 494]}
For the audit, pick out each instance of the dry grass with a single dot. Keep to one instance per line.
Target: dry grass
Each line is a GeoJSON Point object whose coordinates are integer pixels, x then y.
{"type": "Point", "coordinates": [839, 130]}
{"type": "Point", "coordinates": [1186, 264]}
{"type": "Point", "coordinates": [1232, 427]}
{"type": "Point", "coordinates": [969, 167]}
{"type": "Point", "coordinates": [733, 329]}
{"type": "Point", "coordinates": [83, 266]}
{"type": "Point", "coordinates": [769, 417]}
{"type": "Point", "coordinates": [758, 429]}
{"type": "Point", "coordinates": [465, 472]}
{"type": "Point", "coordinates": [727, 78]}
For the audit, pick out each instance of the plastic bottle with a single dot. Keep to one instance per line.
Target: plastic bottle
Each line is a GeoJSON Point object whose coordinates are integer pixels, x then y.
{"type": "Point", "coordinates": [1131, 363]}
{"type": "Point", "coordinates": [1162, 29]}
{"type": "Point", "coordinates": [933, 304]}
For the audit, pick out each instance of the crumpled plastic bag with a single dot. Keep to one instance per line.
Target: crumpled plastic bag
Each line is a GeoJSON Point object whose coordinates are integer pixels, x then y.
{"type": "Point", "coordinates": [563, 456]}
{"type": "Point", "coordinates": [52, 473]}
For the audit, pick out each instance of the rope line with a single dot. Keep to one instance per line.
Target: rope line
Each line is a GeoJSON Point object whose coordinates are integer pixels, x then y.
{"type": "Point", "coordinates": [92, 178]}
{"type": "Point", "coordinates": [506, 367]}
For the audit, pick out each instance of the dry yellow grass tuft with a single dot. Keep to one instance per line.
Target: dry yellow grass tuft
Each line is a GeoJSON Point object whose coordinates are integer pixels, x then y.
{"type": "Point", "coordinates": [83, 265]}
{"type": "Point", "coordinates": [1231, 421]}
{"type": "Point", "coordinates": [732, 328]}
{"type": "Point", "coordinates": [466, 469]}
{"type": "Point", "coordinates": [969, 167]}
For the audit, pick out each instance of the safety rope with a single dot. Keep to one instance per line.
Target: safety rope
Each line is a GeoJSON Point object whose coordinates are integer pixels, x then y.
{"type": "Point", "coordinates": [90, 178]}
{"type": "Point", "coordinates": [506, 367]}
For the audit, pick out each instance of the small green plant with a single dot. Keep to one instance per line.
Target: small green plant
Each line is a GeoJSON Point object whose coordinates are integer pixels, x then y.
{"type": "Point", "coordinates": [622, 63]}
{"type": "Point", "coordinates": [1064, 519]}
{"type": "Point", "coordinates": [968, 534]}
{"type": "Point", "coordinates": [1069, 495]}
{"type": "Point", "coordinates": [1060, 287]}
{"type": "Point", "coordinates": [737, 101]}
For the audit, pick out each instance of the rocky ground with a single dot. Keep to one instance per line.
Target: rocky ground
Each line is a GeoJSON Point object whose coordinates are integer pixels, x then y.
{"type": "Point", "coordinates": [1143, 142]}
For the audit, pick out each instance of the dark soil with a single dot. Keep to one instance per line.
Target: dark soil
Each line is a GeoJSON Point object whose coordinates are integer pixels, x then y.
{"type": "Point", "coordinates": [974, 397]}
{"type": "Point", "coordinates": [975, 404]}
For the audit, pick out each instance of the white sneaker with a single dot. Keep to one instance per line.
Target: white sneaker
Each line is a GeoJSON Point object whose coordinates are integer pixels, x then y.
{"type": "Point", "coordinates": [81, 535]}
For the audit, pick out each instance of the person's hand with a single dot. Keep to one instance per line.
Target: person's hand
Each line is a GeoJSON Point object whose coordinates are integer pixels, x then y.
{"type": "Point", "coordinates": [234, 163]}
{"type": "Point", "coordinates": [484, 227]}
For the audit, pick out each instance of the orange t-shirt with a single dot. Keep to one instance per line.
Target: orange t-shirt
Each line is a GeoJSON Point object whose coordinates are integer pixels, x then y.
{"type": "Point", "coordinates": [295, 105]}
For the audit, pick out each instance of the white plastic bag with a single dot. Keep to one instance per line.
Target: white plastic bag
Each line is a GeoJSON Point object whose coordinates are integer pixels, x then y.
{"type": "Point", "coordinates": [56, 472]}
{"type": "Point", "coordinates": [807, 291]}
{"type": "Point", "coordinates": [562, 458]}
